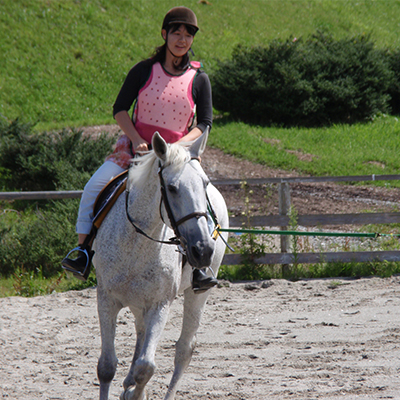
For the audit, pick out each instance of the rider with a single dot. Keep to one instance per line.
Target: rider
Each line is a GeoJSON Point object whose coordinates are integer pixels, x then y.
{"type": "Point", "coordinates": [167, 90]}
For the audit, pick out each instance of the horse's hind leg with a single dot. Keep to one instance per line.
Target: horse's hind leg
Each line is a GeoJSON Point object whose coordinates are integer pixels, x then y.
{"type": "Point", "coordinates": [107, 364]}
{"type": "Point", "coordinates": [192, 312]}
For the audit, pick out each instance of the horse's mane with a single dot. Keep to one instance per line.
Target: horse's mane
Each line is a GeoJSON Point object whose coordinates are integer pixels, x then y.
{"type": "Point", "coordinates": [145, 166]}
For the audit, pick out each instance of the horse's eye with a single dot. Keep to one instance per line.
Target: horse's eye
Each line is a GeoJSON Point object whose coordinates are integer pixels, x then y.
{"type": "Point", "coordinates": [172, 189]}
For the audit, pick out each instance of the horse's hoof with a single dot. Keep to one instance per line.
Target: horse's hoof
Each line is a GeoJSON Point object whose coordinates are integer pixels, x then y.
{"type": "Point", "coordinates": [129, 394]}
{"type": "Point", "coordinates": [124, 394]}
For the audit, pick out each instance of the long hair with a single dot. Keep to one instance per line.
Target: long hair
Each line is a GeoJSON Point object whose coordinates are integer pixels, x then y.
{"type": "Point", "coordinates": [161, 51]}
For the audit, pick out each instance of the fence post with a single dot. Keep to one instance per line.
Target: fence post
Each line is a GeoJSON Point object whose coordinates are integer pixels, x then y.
{"type": "Point", "coordinates": [284, 209]}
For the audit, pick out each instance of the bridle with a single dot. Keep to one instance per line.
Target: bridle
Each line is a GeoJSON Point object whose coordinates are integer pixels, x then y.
{"type": "Point", "coordinates": [164, 200]}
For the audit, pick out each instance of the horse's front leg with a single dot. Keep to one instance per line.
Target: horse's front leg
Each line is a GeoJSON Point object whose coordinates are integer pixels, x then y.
{"type": "Point", "coordinates": [108, 310]}
{"type": "Point", "coordinates": [140, 333]}
{"type": "Point", "coordinates": [192, 312]}
{"type": "Point", "coordinates": [143, 365]}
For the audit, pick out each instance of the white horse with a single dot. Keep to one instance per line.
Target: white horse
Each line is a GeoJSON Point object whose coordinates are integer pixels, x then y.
{"type": "Point", "coordinates": [137, 271]}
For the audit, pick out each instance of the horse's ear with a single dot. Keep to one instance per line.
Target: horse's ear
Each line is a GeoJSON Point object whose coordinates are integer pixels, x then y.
{"type": "Point", "coordinates": [159, 146]}
{"type": "Point", "coordinates": [199, 145]}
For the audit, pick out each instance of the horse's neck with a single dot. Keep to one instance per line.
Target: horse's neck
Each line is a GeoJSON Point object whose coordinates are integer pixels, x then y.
{"type": "Point", "coordinates": [144, 205]}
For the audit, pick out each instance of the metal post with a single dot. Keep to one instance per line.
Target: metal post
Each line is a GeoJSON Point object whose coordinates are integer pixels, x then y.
{"type": "Point", "coordinates": [284, 209]}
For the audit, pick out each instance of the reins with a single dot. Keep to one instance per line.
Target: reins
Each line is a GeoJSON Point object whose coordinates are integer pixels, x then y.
{"type": "Point", "coordinates": [175, 241]}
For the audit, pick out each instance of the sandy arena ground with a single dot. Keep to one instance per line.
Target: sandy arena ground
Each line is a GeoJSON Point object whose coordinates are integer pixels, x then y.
{"type": "Point", "coordinates": [312, 339]}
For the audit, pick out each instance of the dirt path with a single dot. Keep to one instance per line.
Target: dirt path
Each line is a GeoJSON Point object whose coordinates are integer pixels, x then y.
{"type": "Point", "coordinates": [316, 339]}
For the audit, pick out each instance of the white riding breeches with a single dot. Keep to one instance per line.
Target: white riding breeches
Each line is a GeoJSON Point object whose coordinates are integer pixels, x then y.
{"type": "Point", "coordinates": [92, 189]}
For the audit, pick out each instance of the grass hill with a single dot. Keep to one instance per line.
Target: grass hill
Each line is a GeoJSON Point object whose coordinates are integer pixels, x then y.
{"type": "Point", "coordinates": [63, 61]}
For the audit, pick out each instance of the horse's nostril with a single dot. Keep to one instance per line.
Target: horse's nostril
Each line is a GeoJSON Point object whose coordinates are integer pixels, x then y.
{"type": "Point", "coordinates": [195, 252]}
{"type": "Point", "coordinates": [201, 254]}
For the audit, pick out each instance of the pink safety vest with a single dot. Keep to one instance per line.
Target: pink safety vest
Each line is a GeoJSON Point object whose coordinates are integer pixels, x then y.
{"type": "Point", "coordinates": [165, 104]}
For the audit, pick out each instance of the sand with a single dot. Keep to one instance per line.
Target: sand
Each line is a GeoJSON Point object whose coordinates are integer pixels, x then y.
{"type": "Point", "coordinates": [311, 339]}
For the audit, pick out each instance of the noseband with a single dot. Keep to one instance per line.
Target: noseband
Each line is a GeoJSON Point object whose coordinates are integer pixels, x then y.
{"type": "Point", "coordinates": [164, 199]}
{"type": "Point", "coordinates": [174, 223]}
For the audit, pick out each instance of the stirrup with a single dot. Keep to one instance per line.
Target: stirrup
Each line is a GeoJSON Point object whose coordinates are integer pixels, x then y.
{"type": "Point", "coordinates": [84, 274]}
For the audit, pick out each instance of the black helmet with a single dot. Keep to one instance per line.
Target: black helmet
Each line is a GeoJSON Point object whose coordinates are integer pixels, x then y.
{"type": "Point", "coordinates": [180, 15]}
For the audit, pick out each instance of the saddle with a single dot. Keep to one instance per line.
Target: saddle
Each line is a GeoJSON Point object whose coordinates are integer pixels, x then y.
{"type": "Point", "coordinates": [103, 204]}
{"type": "Point", "coordinates": [107, 197]}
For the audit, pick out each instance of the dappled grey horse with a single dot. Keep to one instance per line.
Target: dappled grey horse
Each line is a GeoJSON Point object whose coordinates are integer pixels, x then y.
{"type": "Point", "coordinates": [139, 266]}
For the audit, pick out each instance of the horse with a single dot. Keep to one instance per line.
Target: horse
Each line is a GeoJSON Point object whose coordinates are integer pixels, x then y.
{"type": "Point", "coordinates": [138, 264]}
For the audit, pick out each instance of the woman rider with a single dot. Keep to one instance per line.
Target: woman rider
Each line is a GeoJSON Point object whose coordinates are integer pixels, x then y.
{"type": "Point", "coordinates": [167, 89]}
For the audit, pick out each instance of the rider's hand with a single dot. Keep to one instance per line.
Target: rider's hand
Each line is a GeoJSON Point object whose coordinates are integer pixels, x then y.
{"type": "Point", "coordinates": [141, 147]}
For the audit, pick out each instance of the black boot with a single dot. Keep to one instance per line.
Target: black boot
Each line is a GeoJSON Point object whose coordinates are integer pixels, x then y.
{"type": "Point", "coordinates": [80, 266]}
{"type": "Point", "coordinates": [201, 282]}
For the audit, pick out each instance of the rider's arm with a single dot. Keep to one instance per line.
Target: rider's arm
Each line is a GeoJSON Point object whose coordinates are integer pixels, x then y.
{"type": "Point", "coordinates": [125, 123]}
{"type": "Point", "coordinates": [192, 135]}
{"type": "Point", "coordinates": [203, 98]}
{"type": "Point", "coordinates": [135, 79]}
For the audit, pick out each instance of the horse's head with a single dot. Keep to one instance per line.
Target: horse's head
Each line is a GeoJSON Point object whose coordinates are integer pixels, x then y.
{"type": "Point", "coordinates": [183, 185]}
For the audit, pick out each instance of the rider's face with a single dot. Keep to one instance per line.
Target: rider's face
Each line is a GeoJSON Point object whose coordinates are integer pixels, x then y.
{"type": "Point", "coordinates": [178, 42]}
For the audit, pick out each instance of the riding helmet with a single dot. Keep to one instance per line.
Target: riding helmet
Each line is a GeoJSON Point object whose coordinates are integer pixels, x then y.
{"type": "Point", "coordinates": [180, 15]}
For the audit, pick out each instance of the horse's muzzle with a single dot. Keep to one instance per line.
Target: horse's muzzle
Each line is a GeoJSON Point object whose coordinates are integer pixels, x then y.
{"type": "Point", "coordinates": [200, 254]}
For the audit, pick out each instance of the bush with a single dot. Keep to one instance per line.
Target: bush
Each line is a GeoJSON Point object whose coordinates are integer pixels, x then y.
{"type": "Point", "coordinates": [311, 82]}
{"type": "Point", "coordinates": [37, 238]}
{"type": "Point", "coordinates": [63, 160]}
{"type": "Point", "coordinates": [394, 88]}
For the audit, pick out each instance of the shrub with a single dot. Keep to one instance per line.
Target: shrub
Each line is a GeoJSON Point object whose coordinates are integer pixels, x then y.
{"type": "Point", "coordinates": [37, 238]}
{"type": "Point", "coordinates": [311, 82]}
{"type": "Point", "coordinates": [394, 88]}
{"type": "Point", "coordinates": [48, 161]}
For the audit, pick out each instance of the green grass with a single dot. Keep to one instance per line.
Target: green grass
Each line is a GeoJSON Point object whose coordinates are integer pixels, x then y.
{"type": "Point", "coordinates": [63, 61]}
{"type": "Point", "coordinates": [361, 149]}
{"type": "Point", "coordinates": [29, 284]}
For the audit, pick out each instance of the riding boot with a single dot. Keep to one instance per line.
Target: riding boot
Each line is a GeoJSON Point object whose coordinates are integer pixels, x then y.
{"type": "Point", "coordinates": [80, 266]}
{"type": "Point", "coordinates": [201, 281]}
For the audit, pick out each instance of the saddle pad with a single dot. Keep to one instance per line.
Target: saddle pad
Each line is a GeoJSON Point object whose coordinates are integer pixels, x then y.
{"type": "Point", "coordinates": [107, 197]}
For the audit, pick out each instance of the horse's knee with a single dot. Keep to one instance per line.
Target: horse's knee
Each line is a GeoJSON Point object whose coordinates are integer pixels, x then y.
{"type": "Point", "coordinates": [143, 371]}
{"type": "Point", "coordinates": [106, 368]}
{"type": "Point", "coordinates": [184, 350]}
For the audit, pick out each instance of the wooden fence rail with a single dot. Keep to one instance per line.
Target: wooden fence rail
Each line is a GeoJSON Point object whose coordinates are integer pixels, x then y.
{"type": "Point", "coordinates": [59, 195]}
{"type": "Point", "coordinates": [282, 220]}
{"type": "Point", "coordinates": [318, 219]}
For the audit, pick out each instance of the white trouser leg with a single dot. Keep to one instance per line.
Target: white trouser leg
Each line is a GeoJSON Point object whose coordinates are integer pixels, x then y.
{"type": "Point", "coordinates": [92, 189]}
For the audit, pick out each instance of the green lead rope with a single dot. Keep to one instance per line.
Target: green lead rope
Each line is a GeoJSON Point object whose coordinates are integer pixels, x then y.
{"type": "Point", "coordinates": [296, 233]}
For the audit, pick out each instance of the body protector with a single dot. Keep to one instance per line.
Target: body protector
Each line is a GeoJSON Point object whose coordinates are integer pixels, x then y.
{"type": "Point", "coordinates": [165, 104]}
